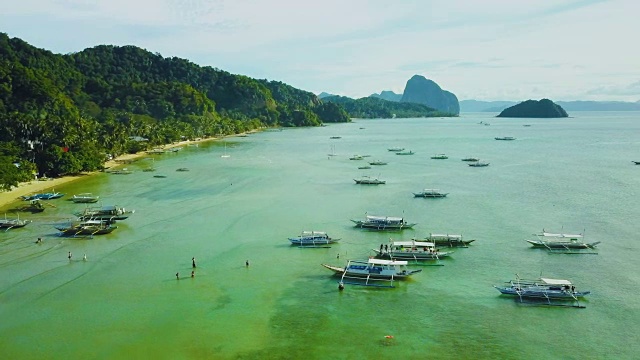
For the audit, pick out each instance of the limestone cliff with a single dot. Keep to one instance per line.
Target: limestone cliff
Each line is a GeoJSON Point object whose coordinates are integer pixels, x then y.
{"type": "Point", "coordinates": [424, 91]}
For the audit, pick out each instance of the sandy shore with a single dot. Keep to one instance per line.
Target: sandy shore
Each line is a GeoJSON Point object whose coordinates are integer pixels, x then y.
{"type": "Point", "coordinates": [27, 188]}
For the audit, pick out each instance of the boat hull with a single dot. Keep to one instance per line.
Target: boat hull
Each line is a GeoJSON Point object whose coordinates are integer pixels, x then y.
{"type": "Point", "coordinates": [561, 244]}
{"type": "Point", "coordinates": [364, 272]}
{"type": "Point", "coordinates": [542, 293]}
{"type": "Point", "coordinates": [411, 255]}
{"type": "Point", "coordinates": [364, 225]}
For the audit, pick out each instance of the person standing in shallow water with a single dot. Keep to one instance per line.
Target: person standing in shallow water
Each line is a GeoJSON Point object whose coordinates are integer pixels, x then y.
{"type": "Point", "coordinates": [69, 256]}
{"type": "Point", "coordinates": [193, 262]}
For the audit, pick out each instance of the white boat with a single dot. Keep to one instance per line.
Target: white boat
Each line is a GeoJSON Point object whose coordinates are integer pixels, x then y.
{"type": "Point", "coordinates": [547, 289]}
{"type": "Point", "coordinates": [85, 198]}
{"type": "Point", "coordinates": [356, 157]}
{"type": "Point", "coordinates": [312, 238]}
{"type": "Point", "coordinates": [383, 223]}
{"type": "Point", "coordinates": [430, 193]}
{"type": "Point", "coordinates": [366, 180]}
{"type": "Point", "coordinates": [411, 250]}
{"type": "Point", "coordinates": [561, 241]}
{"type": "Point", "coordinates": [478, 164]}
{"type": "Point", "coordinates": [12, 223]}
{"type": "Point", "coordinates": [109, 213]}
{"type": "Point", "coordinates": [377, 162]}
{"type": "Point", "coordinates": [372, 272]}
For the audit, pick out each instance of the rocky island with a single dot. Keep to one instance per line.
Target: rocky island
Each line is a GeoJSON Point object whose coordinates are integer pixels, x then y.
{"type": "Point", "coordinates": [544, 108]}
{"type": "Point", "coordinates": [424, 91]}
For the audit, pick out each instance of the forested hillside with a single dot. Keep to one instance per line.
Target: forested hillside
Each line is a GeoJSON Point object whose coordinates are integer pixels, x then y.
{"type": "Point", "coordinates": [63, 114]}
{"type": "Point", "coordinates": [372, 107]}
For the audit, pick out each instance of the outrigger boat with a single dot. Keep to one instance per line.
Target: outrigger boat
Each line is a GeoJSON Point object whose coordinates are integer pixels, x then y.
{"type": "Point", "coordinates": [12, 223]}
{"type": "Point", "coordinates": [559, 241]}
{"type": "Point", "coordinates": [505, 138]}
{"type": "Point", "coordinates": [396, 149]}
{"type": "Point", "coordinates": [84, 228]}
{"type": "Point", "coordinates": [377, 162]}
{"type": "Point", "coordinates": [478, 164]}
{"type": "Point", "coordinates": [383, 223]}
{"type": "Point", "coordinates": [431, 193]}
{"type": "Point", "coordinates": [408, 152]}
{"type": "Point", "coordinates": [43, 196]}
{"type": "Point", "coordinates": [543, 289]}
{"type": "Point", "coordinates": [366, 180]}
{"type": "Point", "coordinates": [449, 240]}
{"type": "Point", "coordinates": [312, 239]}
{"type": "Point", "coordinates": [109, 213]}
{"type": "Point", "coordinates": [372, 272]}
{"type": "Point", "coordinates": [411, 250]}
{"type": "Point", "coordinates": [85, 198]}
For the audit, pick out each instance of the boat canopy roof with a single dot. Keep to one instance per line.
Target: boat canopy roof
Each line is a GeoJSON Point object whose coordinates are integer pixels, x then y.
{"type": "Point", "coordinates": [375, 261]}
{"type": "Point", "coordinates": [413, 243]}
{"type": "Point", "coordinates": [546, 234]}
{"type": "Point", "coordinates": [445, 236]}
{"type": "Point", "coordinates": [383, 218]}
{"type": "Point", "coordinates": [556, 281]}
{"type": "Point", "coordinates": [313, 233]}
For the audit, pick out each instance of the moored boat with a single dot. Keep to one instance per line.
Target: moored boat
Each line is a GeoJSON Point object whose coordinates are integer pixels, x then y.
{"type": "Point", "coordinates": [450, 240]}
{"type": "Point", "coordinates": [478, 164]}
{"type": "Point", "coordinates": [106, 213]}
{"type": "Point", "coordinates": [312, 238]}
{"type": "Point", "coordinates": [88, 227]}
{"type": "Point", "coordinates": [505, 138]}
{"type": "Point", "coordinates": [470, 159]}
{"type": "Point", "coordinates": [85, 198]}
{"type": "Point", "coordinates": [395, 149]}
{"type": "Point", "coordinates": [409, 152]}
{"type": "Point", "coordinates": [430, 193]}
{"type": "Point", "coordinates": [13, 223]}
{"type": "Point", "coordinates": [366, 180]}
{"type": "Point", "coordinates": [383, 223]}
{"type": "Point", "coordinates": [374, 269]}
{"type": "Point", "coordinates": [561, 241]}
{"type": "Point", "coordinates": [411, 250]}
{"type": "Point", "coordinates": [542, 289]}
{"type": "Point", "coordinates": [43, 196]}
{"type": "Point", "coordinates": [377, 162]}
{"type": "Point", "coordinates": [439, 157]}
{"type": "Point", "coordinates": [356, 157]}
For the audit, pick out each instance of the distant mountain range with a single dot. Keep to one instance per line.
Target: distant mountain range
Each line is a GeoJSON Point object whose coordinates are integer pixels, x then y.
{"type": "Point", "coordinates": [498, 106]}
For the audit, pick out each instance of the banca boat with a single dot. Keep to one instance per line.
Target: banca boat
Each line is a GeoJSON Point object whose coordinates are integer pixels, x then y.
{"type": "Point", "coordinates": [13, 223]}
{"type": "Point", "coordinates": [449, 240]}
{"type": "Point", "coordinates": [411, 250]}
{"type": "Point", "coordinates": [312, 238]}
{"type": "Point", "coordinates": [85, 198]}
{"type": "Point", "coordinates": [505, 138]}
{"type": "Point", "coordinates": [366, 180]}
{"type": "Point", "coordinates": [470, 159]}
{"type": "Point", "coordinates": [430, 193]}
{"type": "Point", "coordinates": [356, 157]}
{"type": "Point", "coordinates": [372, 272]}
{"type": "Point", "coordinates": [561, 241]}
{"type": "Point", "coordinates": [106, 213]}
{"type": "Point", "coordinates": [378, 162]}
{"type": "Point", "coordinates": [542, 289]}
{"type": "Point", "coordinates": [396, 149]}
{"type": "Point", "coordinates": [478, 164]}
{"type": "Point", "coordinates": [88, 227]}
{"type": "Point", "coordinates": [383, 223]}
{"type": "Point", "coordinates": [439, 157]}
{"type": "Point", "coordinates": [43, 196]}
{"type": "Point", "coordinates": [409, 152]}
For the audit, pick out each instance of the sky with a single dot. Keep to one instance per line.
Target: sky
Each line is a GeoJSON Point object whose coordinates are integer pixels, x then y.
{"type": "Point", "coordinates": [478, 49]}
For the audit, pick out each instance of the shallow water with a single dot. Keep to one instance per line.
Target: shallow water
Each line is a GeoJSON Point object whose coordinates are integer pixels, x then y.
{"type": "Point", "coordinates": [572, 175]}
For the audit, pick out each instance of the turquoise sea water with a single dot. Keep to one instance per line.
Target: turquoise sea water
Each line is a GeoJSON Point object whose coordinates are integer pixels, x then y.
{"type": "Point", "coordinates": [571, 175]}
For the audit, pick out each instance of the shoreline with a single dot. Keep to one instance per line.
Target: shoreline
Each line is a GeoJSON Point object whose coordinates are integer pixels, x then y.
{"type": "Point", "coordinates": [37, 186]}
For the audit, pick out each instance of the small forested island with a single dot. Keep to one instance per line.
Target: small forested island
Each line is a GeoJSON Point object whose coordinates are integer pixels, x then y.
{"type": "Point", "coordinates": [544, 108]}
